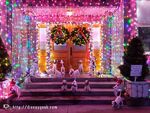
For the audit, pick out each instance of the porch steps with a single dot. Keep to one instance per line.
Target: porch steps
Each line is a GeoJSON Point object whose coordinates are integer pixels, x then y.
{"type": "Point", "coordinates": [47, 91]}
{"type": "Point", "coordinates": [35, 79]}
{"type": "Point", "coordinates": [57, 85]}
{"type": "Point", "coordinates": [58, 92]}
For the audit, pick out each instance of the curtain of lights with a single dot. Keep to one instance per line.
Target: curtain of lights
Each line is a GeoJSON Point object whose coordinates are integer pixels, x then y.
{"type": "Point", "coordinates": [24, 41]}
{"type": "Point", "coordinates": [106, 38]}
{"type": "Point", "coordinates": [117, 41]}
{"type": "Point", "coordinates": [5, 24]}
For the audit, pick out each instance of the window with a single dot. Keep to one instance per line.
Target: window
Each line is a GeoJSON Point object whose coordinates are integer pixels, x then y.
{"type": "Point", "coordinates": [144, 34]}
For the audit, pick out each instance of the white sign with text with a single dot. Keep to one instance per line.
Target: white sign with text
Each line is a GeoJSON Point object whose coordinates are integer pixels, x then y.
{"type": "Point", "coordinates": [136, 70]}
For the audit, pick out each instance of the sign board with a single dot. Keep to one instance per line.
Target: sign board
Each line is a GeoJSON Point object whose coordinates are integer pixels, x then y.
{"type": "Point", "coordinates": [136, 70]}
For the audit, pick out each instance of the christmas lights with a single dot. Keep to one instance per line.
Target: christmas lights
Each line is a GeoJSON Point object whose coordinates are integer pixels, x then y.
{"type": "Point", "coordinates": [130, 20]}
{"type": "Point", "coordinates": [18, 28]}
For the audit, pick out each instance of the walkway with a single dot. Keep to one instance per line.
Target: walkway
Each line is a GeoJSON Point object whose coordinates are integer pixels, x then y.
{"type": "Point", "coordinates": [80, 109]}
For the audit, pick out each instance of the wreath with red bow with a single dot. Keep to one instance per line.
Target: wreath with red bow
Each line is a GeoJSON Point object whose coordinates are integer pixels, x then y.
{"type": "Point", "coordinates": [80, 36]}
{"type": "Point", "coordinates": [59, 34]}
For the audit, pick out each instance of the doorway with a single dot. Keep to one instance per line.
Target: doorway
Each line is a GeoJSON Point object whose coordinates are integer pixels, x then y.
{"type": "Point", "coordinates": [70, 53]}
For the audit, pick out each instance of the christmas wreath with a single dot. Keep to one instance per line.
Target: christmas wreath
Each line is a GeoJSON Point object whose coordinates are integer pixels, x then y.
{"type": "Point", "coordinates": [80, 36]}
{"type": "Point", "coordinates": [59, 34]}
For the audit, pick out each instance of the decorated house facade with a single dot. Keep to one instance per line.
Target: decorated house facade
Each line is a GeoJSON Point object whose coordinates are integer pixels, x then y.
{"type": "Point", "coordinates": [91, 32]}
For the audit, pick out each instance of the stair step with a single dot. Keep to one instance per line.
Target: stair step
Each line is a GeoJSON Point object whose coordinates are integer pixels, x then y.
{"type": "Point", "coordinates": [28, 98]}
{"type": "Point", "coordinates": [57, 85]}
{"type": "Point", "coordinates": [47, 91]}
{"type": "Point", "coordinates": [61, 100]}
{"type": "Point", "coordinates": [35, 79]}
{"type": "Point", "coordinates": [58, 92]}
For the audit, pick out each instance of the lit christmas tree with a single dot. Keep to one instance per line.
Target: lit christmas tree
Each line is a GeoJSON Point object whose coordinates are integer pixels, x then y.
{"type": "Point", "coordinates": [134, 55]}
{"type": "Point", "coordinates": [5, 65]}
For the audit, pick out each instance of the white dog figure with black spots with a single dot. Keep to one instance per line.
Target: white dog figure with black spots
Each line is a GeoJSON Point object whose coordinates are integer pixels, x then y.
{"type": "Point", "coordinates": [118, 102]}
{"type": "Point", "coordinates": [74, 86]}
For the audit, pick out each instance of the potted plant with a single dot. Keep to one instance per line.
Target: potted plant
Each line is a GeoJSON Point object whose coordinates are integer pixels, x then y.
{"type": "Point", "coordinates": [134, 70]}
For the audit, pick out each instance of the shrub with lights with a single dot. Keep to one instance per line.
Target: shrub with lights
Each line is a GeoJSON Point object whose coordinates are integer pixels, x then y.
{"type": "Point", "coordinates": [134, 55]}
{"type": "Point", "coordinates": [59, 34]}
{"type": "Point", "coordinates": [80, 36]}
{"type": "Point", "coordinates": [5, 65]}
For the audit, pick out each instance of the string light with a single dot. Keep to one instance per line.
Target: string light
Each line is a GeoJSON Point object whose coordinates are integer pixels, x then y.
{"type": "Point", "coordinates": [117, 41]}
{"type": "Point", "coordinates": [26, 14]}
{"type": "Point", "coordinates": [130, 20]}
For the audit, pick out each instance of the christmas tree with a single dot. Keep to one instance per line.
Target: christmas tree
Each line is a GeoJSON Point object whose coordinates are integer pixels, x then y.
{"type": "Point", "coordinates": [5, 65]}
{"type": "Point", "coordinates": [134, 55]}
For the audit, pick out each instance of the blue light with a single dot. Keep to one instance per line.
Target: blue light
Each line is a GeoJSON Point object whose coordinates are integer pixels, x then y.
{"type": "Point", "coordinates": [27, 19]}
{"type": "Point", "coordinates": [9, 40]}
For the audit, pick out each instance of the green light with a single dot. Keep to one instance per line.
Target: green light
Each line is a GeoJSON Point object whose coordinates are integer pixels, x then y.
{"type": "Point", "coordinates": [107, 47]}
{"type": "Point", "coordinates": [110, 25]}
{"type": "Point", "coordinates": [16, 66]}
{"type": "Point", "coordinates": [125, 44]}
{"type": "Point", "coordinates": [15, 5]}
{"type": "Point", "coordinates": [7, 2]}
{"type": "Point", "coordinates": [111, 19]}
{"type": "Point", "coordinates": [129, 21]}
{"type": "Point", "coordinates": [13, 15]}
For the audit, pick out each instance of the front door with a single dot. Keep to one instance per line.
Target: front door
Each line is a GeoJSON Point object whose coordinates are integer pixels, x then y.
{"type": "Point", "coordinates": [79, 54]}
{"type": "Point", "coordinates": [71, 55]}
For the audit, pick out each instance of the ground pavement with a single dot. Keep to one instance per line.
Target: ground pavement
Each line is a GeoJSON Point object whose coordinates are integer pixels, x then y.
{"type": "Point", "coordinates": [78, 109]}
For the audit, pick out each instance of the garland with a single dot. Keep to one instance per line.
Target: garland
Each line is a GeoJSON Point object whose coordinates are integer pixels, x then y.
{"type": "Point", "coordinates": [80, 36]}
{"type": "Point", "coordinates": [59, 34]}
